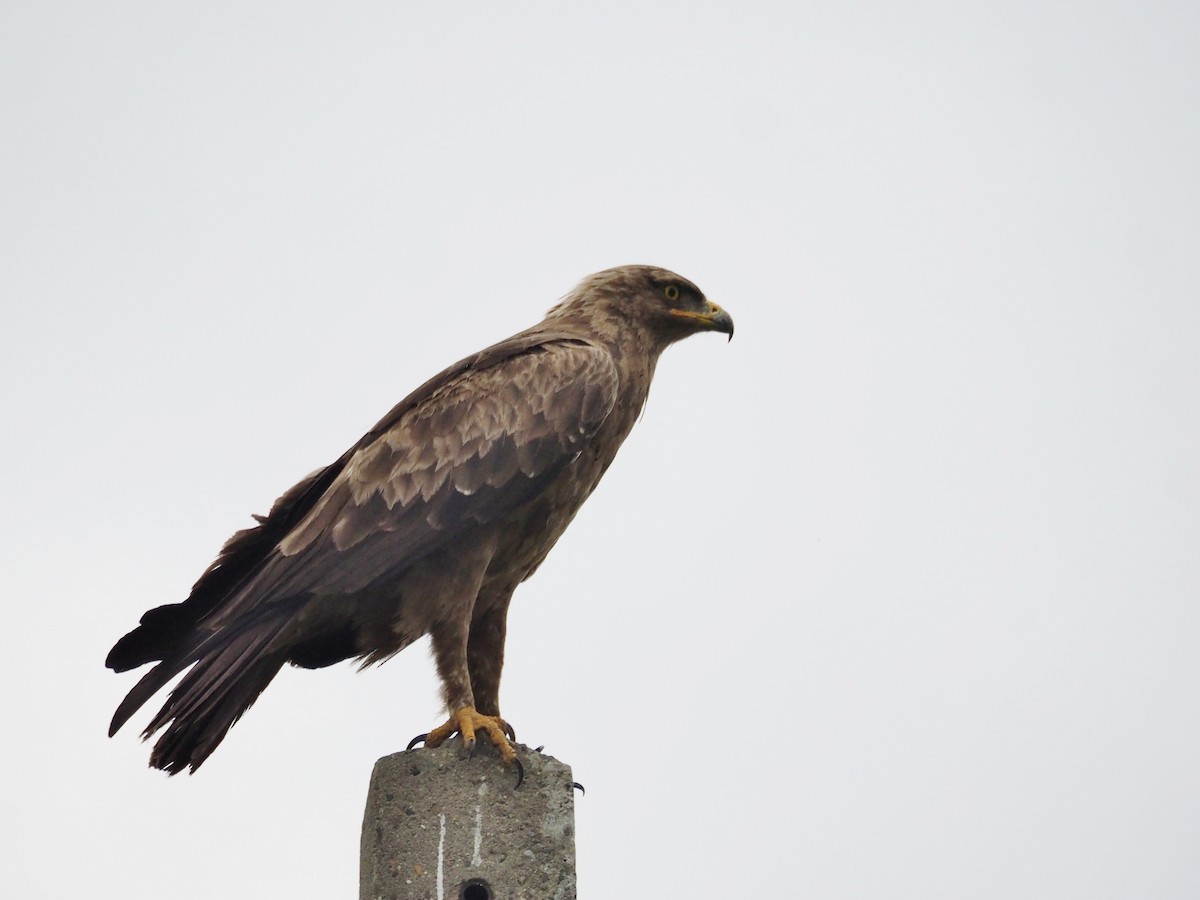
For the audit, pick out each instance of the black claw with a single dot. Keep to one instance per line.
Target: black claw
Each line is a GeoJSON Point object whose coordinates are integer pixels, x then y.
{"type": "Point", "coordinates": [512, 735]}
{"type": "Point", "coordinates": [539, 749]}
{"type": "Point", "coordinates": [470, 745]}
{"type": "Point", "coordinates": [520, 771]}
{"type": "Point", "coordinates": [579, 787]}
{"type": "Point", "coordinates": [419, 739]}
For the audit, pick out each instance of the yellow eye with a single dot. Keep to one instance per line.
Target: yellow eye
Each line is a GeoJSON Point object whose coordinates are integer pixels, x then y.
{"type": "Point", "coordinates": [672, 292]}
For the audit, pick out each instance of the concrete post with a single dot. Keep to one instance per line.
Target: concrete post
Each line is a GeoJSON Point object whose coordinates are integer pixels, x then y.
{"type": "Point", "coordinates": [443, 826]}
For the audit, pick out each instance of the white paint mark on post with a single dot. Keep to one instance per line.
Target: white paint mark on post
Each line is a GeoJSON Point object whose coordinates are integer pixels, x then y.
{"type": "Point", "coordinates": [441, 879]}
{"type": "Point", "coordinates": [476, 859]}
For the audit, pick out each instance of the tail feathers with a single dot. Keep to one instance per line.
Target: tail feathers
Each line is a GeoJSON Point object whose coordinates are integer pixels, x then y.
{"type": "Point", "coordinates": [229, 672]}
{"type": "Point", "coordinates": [157, 636]}
{"type": "Point", "coordinates": [149, 685]}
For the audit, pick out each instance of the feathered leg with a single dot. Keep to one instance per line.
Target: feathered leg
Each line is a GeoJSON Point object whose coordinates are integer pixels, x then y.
{"type": "Point", "coordinates": [485, 657]}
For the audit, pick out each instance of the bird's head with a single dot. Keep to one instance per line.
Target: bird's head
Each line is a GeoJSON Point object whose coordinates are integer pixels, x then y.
{"type": "Point", "coordinates": [657, 301]}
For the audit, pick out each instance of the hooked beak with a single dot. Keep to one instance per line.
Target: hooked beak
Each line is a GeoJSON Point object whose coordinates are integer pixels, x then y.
{"type": "Point", "coordinates": [711, 319]}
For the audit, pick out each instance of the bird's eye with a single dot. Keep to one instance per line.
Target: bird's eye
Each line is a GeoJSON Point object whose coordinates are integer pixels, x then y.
{"type": "Point", "coordinates": [672, 292]}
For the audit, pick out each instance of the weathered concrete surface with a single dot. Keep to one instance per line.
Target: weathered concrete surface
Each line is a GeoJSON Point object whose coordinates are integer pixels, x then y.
{"type": "Point", "coordinates": [437, 819]}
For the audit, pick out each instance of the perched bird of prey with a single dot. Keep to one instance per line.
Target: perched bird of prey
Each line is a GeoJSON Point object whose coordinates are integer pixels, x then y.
{"type": "Point", "coordinates": [425, 526]}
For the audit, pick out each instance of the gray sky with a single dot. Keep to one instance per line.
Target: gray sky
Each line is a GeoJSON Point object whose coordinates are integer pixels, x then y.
{"type": "Point", "coordinates": [907, 604]}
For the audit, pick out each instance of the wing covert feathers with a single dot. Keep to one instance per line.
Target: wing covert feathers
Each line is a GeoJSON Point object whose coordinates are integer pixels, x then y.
{"type": "Point", "coordinates": [503, 428]}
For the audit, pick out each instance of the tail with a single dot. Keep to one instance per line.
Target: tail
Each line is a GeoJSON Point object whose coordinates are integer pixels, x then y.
{"type": "Point", "coordinates": [229, 669]}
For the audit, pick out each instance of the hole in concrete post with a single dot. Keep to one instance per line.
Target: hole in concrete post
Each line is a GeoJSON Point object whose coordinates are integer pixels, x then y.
{"type": "Point", "coordinates": [475, 889]}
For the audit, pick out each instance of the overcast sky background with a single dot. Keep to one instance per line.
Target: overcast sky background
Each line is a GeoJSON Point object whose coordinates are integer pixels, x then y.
{"type": "Point", "coordinates": [895, 595]}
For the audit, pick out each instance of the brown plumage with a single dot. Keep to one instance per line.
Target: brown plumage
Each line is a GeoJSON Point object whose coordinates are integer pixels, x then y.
{"type": "Point", "coordinates": [425, 526]}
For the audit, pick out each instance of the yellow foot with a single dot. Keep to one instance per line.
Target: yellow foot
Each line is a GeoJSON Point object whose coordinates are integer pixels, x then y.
{"type": "Point", "coordinates": [467, 722]}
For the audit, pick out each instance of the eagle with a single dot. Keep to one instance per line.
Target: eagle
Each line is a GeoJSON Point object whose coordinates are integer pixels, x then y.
{"type": "Point", "coordinates": [425, 526]}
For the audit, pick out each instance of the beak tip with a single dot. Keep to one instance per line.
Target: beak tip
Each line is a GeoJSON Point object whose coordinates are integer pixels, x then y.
{"type": "Point", "coordinates": [723, 322]}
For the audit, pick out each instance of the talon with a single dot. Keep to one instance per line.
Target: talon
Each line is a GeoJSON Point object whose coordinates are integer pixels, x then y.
{"type": "Point", "coordinates": [419, 739]}
{"type": "Point", "coordinates": [539, 748]}
{"type": "Point", "coordinates": [579, 787]}
{"type": "Point", "coordinates": [466, 722]}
